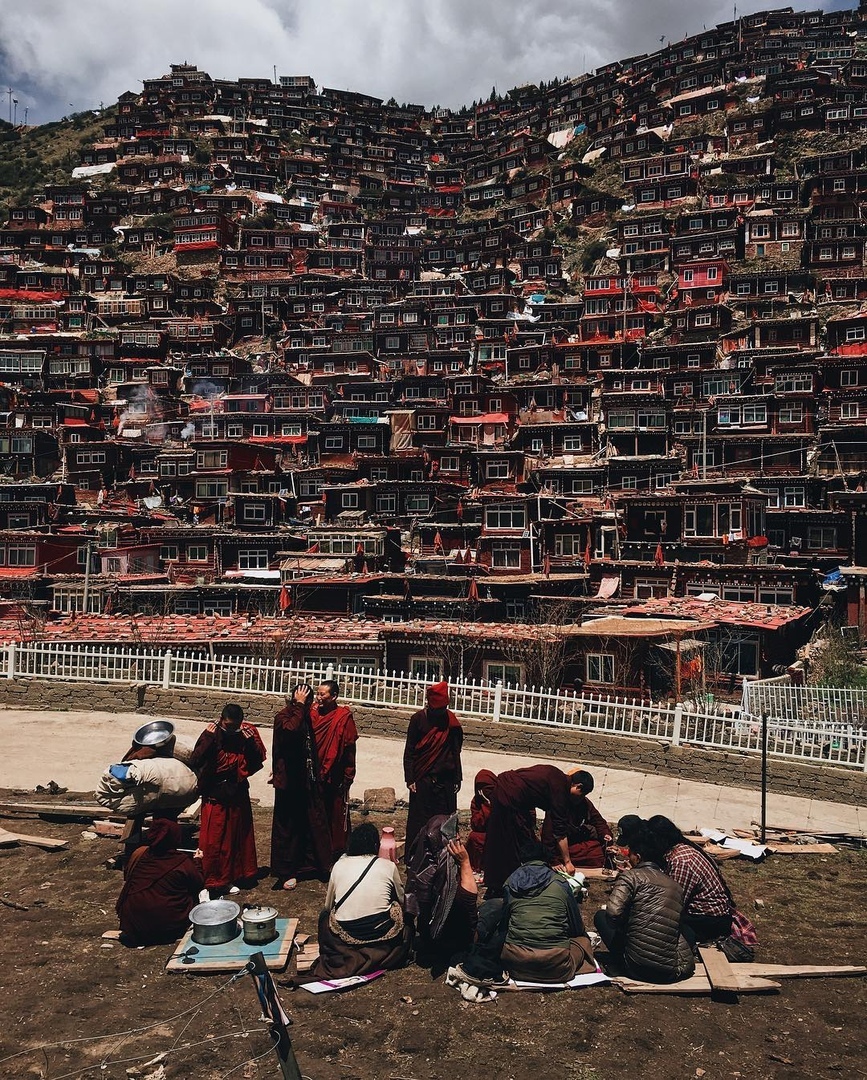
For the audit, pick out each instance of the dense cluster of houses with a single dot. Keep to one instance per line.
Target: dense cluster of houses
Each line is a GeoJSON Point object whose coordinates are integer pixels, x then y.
{"type": "Point", "coordinates": [442, 390]}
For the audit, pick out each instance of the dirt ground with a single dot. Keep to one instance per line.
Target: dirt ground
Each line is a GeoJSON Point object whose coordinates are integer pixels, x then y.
{"type": "Point", "coordinates": [62, 986]}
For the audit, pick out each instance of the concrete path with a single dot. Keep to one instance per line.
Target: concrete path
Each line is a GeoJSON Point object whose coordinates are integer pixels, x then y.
{"type": "Point", "coordinates": [74, 748]}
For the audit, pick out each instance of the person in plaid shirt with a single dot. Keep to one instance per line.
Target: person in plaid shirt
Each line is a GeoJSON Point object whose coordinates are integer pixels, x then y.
{"type": "Point", "coordinates": [708, 906]}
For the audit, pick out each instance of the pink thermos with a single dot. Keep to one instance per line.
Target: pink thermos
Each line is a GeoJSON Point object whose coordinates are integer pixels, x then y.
{"type": "Point", "coordinates": [388, 845]}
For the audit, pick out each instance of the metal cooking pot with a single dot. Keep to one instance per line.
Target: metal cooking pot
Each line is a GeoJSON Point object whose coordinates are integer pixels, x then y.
{"type": "Point", "coordinates": [215, 922]}
{"type": "Point", "coordinates": [260, 924]}
{"type": "Point", "coordinates": [156, 733]}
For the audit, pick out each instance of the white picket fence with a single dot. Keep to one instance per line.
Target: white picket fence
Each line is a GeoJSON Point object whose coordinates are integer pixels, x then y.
{"type": "Point", "coordinates": [728, 728]}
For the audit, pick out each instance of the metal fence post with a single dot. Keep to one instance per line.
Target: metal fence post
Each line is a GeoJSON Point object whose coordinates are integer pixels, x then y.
{"type": "Point", "coordinates": [498, 701]}
{"type": "Point", "coordinates": [329, 672]}
{"type": "Point", "coordinates": [167, 669]}
{"type": "Point", "coordinates": [10, 660]}
{"type": "Point", "coordinates": [678, 717]}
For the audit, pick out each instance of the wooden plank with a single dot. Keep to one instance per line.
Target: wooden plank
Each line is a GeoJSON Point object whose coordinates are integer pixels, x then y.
{"type": "Point", "coordinates": [233, 955]}
{"type": "Point", "coordinates": [803, 849]}
{"type": "Point", "coordinates": [798, 971]}
{"type": "Point", "coordinates": [87, 811]}
{"type": "Point", "coordinates": [697, 984]}
{"type": "Point", "coordinates": [718, 969]}
{"type": "Point", "coordinates": [307, 957]}
{"type": "Point", "coordinates": [45, 842]}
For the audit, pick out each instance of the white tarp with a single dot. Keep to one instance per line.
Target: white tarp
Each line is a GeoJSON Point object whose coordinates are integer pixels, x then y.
{"type": "Point", "coordinates": [82, 171]}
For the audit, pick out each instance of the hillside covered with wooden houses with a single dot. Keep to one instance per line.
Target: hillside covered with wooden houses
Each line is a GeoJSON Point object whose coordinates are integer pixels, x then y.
{"type": "Point", "coordinates": [566, 387]}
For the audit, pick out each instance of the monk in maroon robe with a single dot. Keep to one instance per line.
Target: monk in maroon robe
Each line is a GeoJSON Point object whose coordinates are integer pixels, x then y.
{"type": "Point", "coordinates": [515, 793]}
{"type": "Point", "coordinates": [432, 761]}
{"type": "Point", "coordinates": [300, 833]}
{"type": "Point", "coordinates": [161, 888]}
{"type": "Point", "coordinates": [588, 833]}
{"type": "Point", "coordinates": [336, 735]}
{"type": "Point", "coordinates": [225, 755]}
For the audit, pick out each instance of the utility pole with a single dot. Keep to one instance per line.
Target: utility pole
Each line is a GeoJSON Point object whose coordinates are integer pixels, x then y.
{"type": "Point", "coordinates": [15, 103]}
{"type": "Point", "coordinates": [9, 92]}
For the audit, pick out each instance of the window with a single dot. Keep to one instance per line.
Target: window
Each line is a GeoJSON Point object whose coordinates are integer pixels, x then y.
{"type": "Point", "coordinates": [386, 504]}
{"type": "Point", "coordinates": [254, 514]}
{"type": "Point", "coordinates": [647, 588]}
{"type": "Point", "coordinates": [349, 500]}
{"type": "Point", "coordinates": [423, 667]}
{"type": "Point", "coordinates": [450, 464]}
{"type": "Point", "coordinates": [820, 536]}
{"type": "Point", "coordinates": [427, 421]}
{"type": "Point", "coordinates": [791, 414]}
{"type": "Point", "coordinates": [506, 517]}
{"type": "Point", "coordinates": [253, 558]}
{"type": "Point", "coordinates": [600, 667]}
{"type": "Point", "coordinates": [497, 470]}
{"type": "Point", "coordinates": [169, 553]}
{"type": "Point", "coordinates": [212, 489]}
{"type": "Point", "coordinates": [417, 504]}
{"type": "Point", "coordinates": [849, 377]}
{"type": "Point", "coordinates": [211, 459]}
{"type": "Point", "coordinates": [510, 674]}
{"type": "Point", "coordinates": [506, 556]}
{"type": "Point", "coordinates": [793, 496]}
{"type": "Point", "coordinates": [849, 410]}
{"type": "Point", "coordinates": [197, 553]}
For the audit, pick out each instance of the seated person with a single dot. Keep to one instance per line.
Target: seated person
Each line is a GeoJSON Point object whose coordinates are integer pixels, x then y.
{"type": "Point", "coordinates": [545, 940]}
{"type": "Point", "coordinates": [362, 927]}
{"type": "Point", "coordinates": [480, 811]}
{"type": "Point", "coordinates": [588, 833]}
{"type": "Point", "coordinates": [441, 892]}
{"type": "Point", "coordinates": [161, 888]}
{"type": "Point", "coordinates": [709, 908]}
{"type": "Point", "coordinates": [641, 923]}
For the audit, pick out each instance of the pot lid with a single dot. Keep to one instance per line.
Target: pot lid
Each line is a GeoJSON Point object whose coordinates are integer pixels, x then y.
{"type": "Point", "coordinates": [214, 913]}
{"type": "Point", "coordinates": [259, 913]}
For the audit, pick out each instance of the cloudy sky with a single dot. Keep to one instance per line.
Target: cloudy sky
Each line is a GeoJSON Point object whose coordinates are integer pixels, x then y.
{"type": "Point", "coordinates": [59, 56]}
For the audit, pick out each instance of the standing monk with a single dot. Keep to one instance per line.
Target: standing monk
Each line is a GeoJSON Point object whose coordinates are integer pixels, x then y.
{"type": "Point", "coordinates": [300, 835]}
{"type": "Point", "coordinates": [515, 794]}
{"type": "Point", "coordinates": [336, 735]}
{"type": "Point", "coordinates": [432, 761]}
{"type": "Point", "coordinates": [225, 755]}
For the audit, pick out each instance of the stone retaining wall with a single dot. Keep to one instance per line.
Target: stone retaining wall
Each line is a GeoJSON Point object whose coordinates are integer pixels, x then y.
{"type": "Point", "coordinates": [825, 782]}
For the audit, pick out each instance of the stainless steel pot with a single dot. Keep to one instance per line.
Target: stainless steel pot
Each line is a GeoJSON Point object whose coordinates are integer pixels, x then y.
{"type": "Point", "coordinates": [215, 922]}
{"type": "Point", "coordinates": [260, 924]}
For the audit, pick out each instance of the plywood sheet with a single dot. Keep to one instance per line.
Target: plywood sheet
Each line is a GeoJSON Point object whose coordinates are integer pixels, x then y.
{"type": "Point", "coordinates": [231, 957]}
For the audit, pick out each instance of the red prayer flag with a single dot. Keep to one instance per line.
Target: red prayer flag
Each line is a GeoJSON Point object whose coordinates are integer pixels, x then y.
{"type": "Point", "coordinates": [587, 553]}
{"type": "Point", "coordinates": [438, 541]}
{"type": "Point", "coordinates": [285, 599]}
{"type": "Point", "coordinates": [473, 590]}
{"type": "Point", "coordinates": [313, 549]}
{"type": "Point", "coordinates": [659, 555]}
{"type": "Point", "coordinates": [546, 565]}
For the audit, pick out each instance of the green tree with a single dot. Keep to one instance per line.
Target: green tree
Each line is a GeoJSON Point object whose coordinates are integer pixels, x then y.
{"type": "Point", "coordinates": [835, 661]}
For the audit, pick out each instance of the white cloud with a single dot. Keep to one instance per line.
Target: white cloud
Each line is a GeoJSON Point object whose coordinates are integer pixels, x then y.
{"type": "Point", "coordinates": [56, 54]}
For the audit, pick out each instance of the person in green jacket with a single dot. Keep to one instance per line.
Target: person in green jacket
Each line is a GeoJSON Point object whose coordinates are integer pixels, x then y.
{"type": "Point", "coordinates": [545, 939]}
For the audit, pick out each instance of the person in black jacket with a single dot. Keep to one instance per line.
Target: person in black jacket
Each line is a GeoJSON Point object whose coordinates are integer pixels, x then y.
{"type": "Point", "coordinates": [641, 923]}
